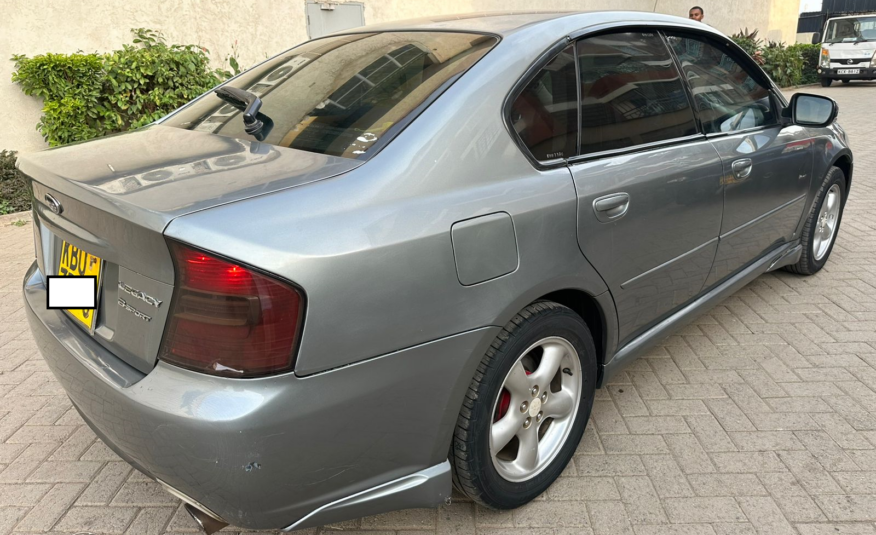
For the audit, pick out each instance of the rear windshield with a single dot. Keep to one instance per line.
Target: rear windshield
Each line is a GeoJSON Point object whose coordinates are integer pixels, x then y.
{"type": "Point", "coordinates": [342, 96]}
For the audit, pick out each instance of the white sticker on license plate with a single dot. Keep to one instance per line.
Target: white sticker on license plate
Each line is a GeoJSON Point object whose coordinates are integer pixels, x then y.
{"type": "Point", "coordinates": [848, 71]}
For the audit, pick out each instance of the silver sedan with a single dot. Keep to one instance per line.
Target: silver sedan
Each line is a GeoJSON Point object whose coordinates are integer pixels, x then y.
{"type": "Point", "coordinates": [400, 259]}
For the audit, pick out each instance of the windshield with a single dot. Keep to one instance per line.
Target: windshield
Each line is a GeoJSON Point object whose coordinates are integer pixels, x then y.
{"type": "Point", "coordinates": [851, 30]}
{"type": "Point", "coordinates": [342, 95]}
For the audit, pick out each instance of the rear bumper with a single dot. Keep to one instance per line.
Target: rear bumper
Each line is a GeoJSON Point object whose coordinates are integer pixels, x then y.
{"type": "Point", "coordinates": [868, 73]}
{"type": "Point", "coordinates": [278, 451]}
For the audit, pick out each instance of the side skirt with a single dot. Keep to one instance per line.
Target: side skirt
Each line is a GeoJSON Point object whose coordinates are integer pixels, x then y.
{"type": "Point", "coordinates": [776, 258]}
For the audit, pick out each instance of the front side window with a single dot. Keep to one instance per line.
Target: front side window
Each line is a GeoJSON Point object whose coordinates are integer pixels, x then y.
{"type": "Point", "coordinates": [545, 114]}
{"type": "Point", "coordinates": [341, 95]}
{"type": "Point", "coordinates": [631, 92]}
{"type": "Point", "coordinates": [727, 97]}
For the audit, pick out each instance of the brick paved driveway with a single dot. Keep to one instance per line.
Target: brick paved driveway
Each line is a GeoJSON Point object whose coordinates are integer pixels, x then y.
{"type": "Point", "coordinates": [758, 418]}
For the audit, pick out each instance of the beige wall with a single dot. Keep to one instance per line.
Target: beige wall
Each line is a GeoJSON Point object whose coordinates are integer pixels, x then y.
{"type": "Point", "coordinates": [266, 27]}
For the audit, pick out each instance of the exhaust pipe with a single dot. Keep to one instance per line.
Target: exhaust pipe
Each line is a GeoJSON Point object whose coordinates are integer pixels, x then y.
{"type": "Point", "coordinates": [208, 523]}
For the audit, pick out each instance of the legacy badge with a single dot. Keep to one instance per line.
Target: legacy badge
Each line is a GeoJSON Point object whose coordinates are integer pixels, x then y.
{"type": "Point", "coordinates": [142, 296]}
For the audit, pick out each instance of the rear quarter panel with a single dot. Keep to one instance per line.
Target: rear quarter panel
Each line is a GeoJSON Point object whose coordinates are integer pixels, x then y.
{"type": "Point", "coordinates": [372, 248]}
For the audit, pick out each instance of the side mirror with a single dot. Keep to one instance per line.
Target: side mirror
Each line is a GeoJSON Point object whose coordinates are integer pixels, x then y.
{"type": "Point", "coordinates": [812, 110]}
{"type": "Point", "coordinates": [816, 38]}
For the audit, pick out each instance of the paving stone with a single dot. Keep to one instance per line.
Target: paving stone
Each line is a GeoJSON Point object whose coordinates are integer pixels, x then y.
{"type": "Point", "coordinates": [634, 444]}
{"type": "Point", "coordinates": [749, 462]}
{"type": "Point", "coordinates": [657, 425]}
{"type": "Point", "coordinates": [540, 514]}
{"type": "Point", "coordinates": [610, 465]}
{"type": "Point", "coordinates": [50, 508]}
{"type": "Point", "coordinates": [765, 515]}
{"type": "Point", "coordinates": [105, 484]}
{"type": "Point", "coordinates": [766, 441]}
{"type": "Point", "coordinates": [848, 508]}
{"type": "Point", "coordinates": [584, 489]}
{"type": "Point", "coordinates": [143, 493]}
{"type": "Point", "coordinates": [710, 433]}
{"type": "Point", "coordinates": [97, 519]}
{"type": "Point", "coordinates": [667, 477]}
{"type": "Point", "coordinates": [640, 500]}
{"type": "Point", "coordinates": [65, 472]}
{"type": "Point", "coordinates": [675, 529]}
{"type": "Point", "coordinates": [717, 485]}
{"type": "Point", "coordinates": [836, 529]}
{"type": "Point", "coordinates": [799, 509]}
{"type": "Point", "coordinates": [609, 518]}
{"type": "Point", "coordinates": [25, 494]}
{"type": "Point", "coordinates": [150, 521]}
{"type": "Point", "coordinates": [811, 475]}
{"type": "Point", "coordinates": [405, 519]}
{"type": "Point", "coordinates": [692, 510]}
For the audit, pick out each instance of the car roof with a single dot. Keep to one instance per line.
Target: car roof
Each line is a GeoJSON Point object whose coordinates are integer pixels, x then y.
{"type": "Point", "coordinates": [504, 23]}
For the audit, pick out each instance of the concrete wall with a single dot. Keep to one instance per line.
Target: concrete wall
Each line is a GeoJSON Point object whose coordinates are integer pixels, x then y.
{"type": "Point", "coordinates": [265, 27]}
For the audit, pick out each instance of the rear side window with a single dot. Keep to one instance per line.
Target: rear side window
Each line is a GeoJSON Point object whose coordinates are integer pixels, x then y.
{"type": "Point", "coordinates": [342, 95]}
{"type": "Point", "coordinates": [631, 92]}
{"type": "Point", "coordinates": [727, 97]}
{"type": "Point", "coordinates": [545, 114]}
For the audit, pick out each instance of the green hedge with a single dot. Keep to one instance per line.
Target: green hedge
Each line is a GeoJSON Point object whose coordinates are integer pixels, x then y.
{"type": "Point", "coordinates": [811, 55]}
{"type": "Point", "coordinates": [91, 95]}
{"type": "Point", "coordinates": [14, 194]}
{"type": "Point", "coordinates": [783, 63]}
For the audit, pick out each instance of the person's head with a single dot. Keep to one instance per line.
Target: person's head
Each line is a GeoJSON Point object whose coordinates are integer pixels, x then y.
{"type": "Point", "coordinates": [695, 13]}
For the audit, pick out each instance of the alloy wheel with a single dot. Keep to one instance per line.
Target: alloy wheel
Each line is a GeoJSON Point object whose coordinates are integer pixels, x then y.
{"type": "Point", "coordinates": [825, 229]}
{"type": "Point", "coordinates": [535, 409]}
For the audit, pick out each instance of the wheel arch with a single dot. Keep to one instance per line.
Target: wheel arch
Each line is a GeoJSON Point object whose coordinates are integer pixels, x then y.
{"type": "Point", "coordinates": [843, 160]}
{"type": "Point", "coordinates": [591, 311]}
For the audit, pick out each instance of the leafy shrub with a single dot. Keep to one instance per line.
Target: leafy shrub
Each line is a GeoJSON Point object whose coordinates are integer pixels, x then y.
{"type": "Point", "coordinates": [91, 95]}
{"type": "Point", "coordinates": [747, 40]}
{"type": "Point", "coordinates": [810, 54]}
{"type": "Point", "coordinates": [14, 193]}
{"type": "Point", "coordinates": [70, 86]}
{"type": "Point", "coordinates": [784, 64]}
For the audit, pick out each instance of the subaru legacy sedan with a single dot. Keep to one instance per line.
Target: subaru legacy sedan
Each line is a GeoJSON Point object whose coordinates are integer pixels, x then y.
{"type": "Point", "coordinates": [399, 260]}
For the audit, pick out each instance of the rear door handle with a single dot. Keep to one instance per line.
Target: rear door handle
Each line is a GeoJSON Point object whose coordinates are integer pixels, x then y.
{"type": "Point", "coordinates": [611, 207]}
{"type": "Point", "coordinates": [742, 168]}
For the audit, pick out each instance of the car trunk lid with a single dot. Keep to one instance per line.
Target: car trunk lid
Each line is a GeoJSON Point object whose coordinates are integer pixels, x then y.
{"type": "Point", "coordinates": [115, 196]}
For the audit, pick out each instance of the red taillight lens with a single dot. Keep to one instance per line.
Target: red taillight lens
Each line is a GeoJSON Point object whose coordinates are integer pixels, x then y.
{"type": "Point", "coordinates": [229, 320]}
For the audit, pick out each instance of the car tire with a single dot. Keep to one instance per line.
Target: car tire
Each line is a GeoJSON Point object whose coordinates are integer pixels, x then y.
{"type": "Point", "coordinates": [823, 224]}
{"type": "Point", "coordinates": [513, 364]}
{"type": "Point", "coordinates": [825, 82]}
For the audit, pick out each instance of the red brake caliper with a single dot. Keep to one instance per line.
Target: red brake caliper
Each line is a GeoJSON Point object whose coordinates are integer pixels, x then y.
{"type": "Point", "coordinates": [504, 403]}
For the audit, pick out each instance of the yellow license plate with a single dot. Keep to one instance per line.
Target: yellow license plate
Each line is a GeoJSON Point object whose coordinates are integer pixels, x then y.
{"type": "Point", "coordinates": [76, 262]}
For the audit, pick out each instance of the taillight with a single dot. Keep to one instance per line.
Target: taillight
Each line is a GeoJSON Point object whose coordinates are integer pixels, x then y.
{"type": "Point", "coordinates": [227, 319]}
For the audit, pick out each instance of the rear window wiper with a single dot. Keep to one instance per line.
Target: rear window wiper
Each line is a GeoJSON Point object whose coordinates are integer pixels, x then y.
{"type": "Point", "coordinates": [249, 104]}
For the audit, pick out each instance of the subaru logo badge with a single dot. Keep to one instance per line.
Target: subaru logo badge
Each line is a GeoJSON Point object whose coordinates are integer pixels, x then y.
{"type": "Point", "coordinates": [53, 204]}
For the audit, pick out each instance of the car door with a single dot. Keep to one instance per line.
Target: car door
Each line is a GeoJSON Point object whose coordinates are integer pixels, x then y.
{"type": "Point", "coordinates": [648, 182]}
{"type": "Point", "coordinates": [767, 166]}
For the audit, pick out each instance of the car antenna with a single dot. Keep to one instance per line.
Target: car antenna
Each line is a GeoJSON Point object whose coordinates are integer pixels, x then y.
{"type": "Point", "coordinates": [248, 103]}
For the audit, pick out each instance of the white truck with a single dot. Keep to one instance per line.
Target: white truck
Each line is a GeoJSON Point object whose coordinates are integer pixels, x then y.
{"type": "Point", "coordinates": [848, 49]}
